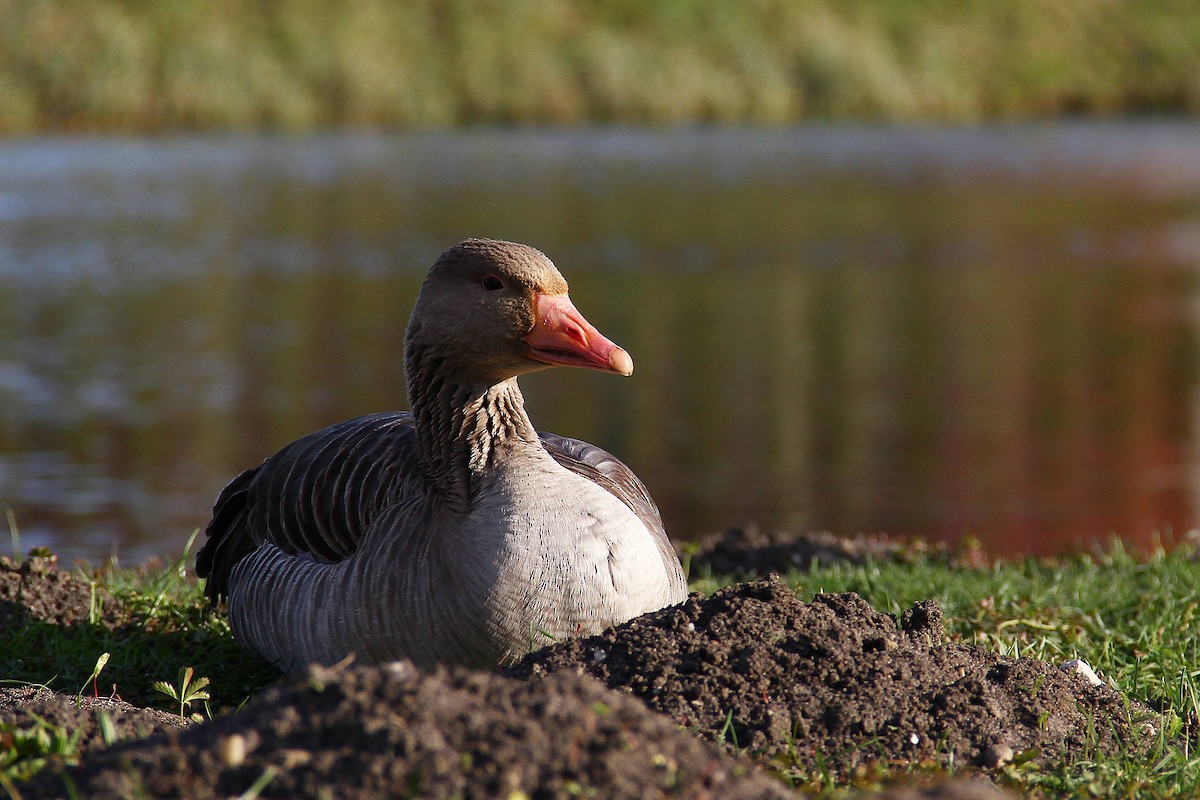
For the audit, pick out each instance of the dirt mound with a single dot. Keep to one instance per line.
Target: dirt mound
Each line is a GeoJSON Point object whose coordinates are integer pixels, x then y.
{"type": "Point", "coordinates": [35, 590]}
{"type": "Point", "coordinates": [837, 683]}
{"type": "Point", "coordinates": [749, 551]}
{"type": "Point", "coordinates": [378, 732]}
{"type": "Point", "coordinates": [24, 707]}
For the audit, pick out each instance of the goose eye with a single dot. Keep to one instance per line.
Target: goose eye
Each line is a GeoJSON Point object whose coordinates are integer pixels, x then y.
{"type": "Point", "coordinates": [492, 283]}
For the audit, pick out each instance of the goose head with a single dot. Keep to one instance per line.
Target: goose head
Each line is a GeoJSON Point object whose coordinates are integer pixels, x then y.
{"type": "Point", "coordinates": [491, 310]}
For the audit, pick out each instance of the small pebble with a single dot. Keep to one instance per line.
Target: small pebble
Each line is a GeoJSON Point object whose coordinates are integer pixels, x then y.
{"type": "Point", "coordinates": [996, 755]}
{"type": "Point", "coordinates": [232, 750]}
{"type": "Point", "coordinates": [401, 669]}
{"type": "Point", "coordinates": [1080, 667]}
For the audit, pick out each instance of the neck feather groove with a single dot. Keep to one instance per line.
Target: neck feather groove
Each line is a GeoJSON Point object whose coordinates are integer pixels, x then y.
{"type": "Point", "coordinates": [461, 423]}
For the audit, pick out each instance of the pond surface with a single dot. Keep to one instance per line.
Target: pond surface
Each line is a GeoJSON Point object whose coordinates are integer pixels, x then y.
{"type": "Point", "coordinates": [930, 332]}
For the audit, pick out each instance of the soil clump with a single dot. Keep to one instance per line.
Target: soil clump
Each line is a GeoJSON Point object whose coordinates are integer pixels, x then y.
{"type": "Point", "coordinates": [368, 732]}
{"type": "Point", "coordinates": [751, 552]}
{"type": "Point", "coordinates": [836, 684]}
{"type": "Point", "coordinates": [98, 721]}
{"type": "Point", "coordinates": [35, 590]}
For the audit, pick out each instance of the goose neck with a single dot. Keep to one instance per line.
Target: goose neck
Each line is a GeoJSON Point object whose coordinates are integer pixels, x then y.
{"type": "Point", "coordinates": [464, 426]}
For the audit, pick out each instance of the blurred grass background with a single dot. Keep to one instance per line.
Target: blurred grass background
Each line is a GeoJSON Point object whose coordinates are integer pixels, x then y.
{"type": "Point", "coordinates": [151, 65]}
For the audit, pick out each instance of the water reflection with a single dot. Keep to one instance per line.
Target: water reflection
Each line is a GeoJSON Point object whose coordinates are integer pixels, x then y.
{"type": "Point", "coordinates": [922, 332]}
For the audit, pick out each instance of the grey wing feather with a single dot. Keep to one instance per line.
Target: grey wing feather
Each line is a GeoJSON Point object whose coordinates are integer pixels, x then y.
{"type": "Point", "coordinates": [316, 496]}
{"type": "Point", "coordinates": [611, 474]}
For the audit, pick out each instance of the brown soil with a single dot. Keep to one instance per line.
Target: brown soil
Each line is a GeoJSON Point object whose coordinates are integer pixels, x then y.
{"type": "Point", "coordinates": [377, 732]}
{"type": "Point", "coordinates": [837, 683]}
{"type": "Point", "coordinates": [788, 682]}
{"type": "Point", "coordinates": [23, 707]}
{"type": "Point", "coordinates": [35, 590]}
{"type": "Point", "coordinates": [751, 552]}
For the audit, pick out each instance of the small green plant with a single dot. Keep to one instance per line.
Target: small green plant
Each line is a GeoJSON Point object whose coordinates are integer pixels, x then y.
{"type": "Point", "coordinates": [108, 731]}
{"type": "Point", "coordinates": [188, 691]}
{"type": "Point", "coordinates": [24, 752]}
{"type": "Point", "coordinates": [14, 533]}
{"type": "Point", "coordinates": [536, 633]}
{"type": "Point", "coordinates": [259, 784]}
{"type": "Point", "coordinates": [728, 732]}
{"type": "Point", "coordinates": [100, 662]}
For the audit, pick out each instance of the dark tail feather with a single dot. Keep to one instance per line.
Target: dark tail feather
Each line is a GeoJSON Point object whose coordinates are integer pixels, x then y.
{"type": "Point", "coordinates": [228, 539]}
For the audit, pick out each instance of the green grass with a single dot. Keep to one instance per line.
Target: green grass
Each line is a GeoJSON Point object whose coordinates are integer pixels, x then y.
{"type": "Point", "coordinates": [161, 64]}
{"type": "Point", "coordinates": [1137, 621]}
{"type": "Point", "coordinates": [156, 626]}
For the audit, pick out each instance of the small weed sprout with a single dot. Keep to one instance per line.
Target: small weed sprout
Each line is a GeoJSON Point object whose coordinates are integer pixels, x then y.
{"type": "Point", "coordinates": [259, 784]}
{"type": "Point", "coordinates": [728, 732]}
{"type": "Point", "coordinates": [24, 752]}
{"type": "Point", "coordinates": [536, 631]}
{"type": "Point", "coordinates": [14, 533]}
{"type": "Point", "coordinates": [108, 731]}
{"type": "Point", "coordinates": [100, 662]}
{"type": "Point", "coordinates": [187, 692]}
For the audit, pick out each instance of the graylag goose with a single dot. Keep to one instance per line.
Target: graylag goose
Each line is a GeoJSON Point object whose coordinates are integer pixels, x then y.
{"type": "Point", "coordinates": [455, 533]}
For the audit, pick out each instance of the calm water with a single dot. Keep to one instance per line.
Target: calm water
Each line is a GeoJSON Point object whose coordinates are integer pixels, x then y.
{"type": "Point", "coordinates": [922, 331]}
